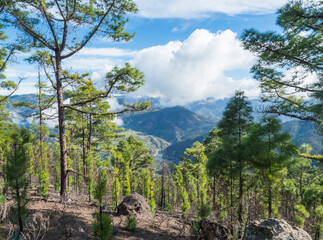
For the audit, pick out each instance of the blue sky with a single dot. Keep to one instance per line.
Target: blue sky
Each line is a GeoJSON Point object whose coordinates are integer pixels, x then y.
{"type": "Point", "coordinates": [188, 50]}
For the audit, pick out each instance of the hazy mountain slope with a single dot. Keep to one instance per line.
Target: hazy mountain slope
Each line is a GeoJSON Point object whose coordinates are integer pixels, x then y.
{"type": "Point", "coordinates": [214, 108]}
{"type": "Point", "coordinates": [172, 124]}
{"type": "Point", "coordinates": [176, 150]}
{"type": "Point", "coordinates": [300, 131]}
{"type": "Point", "coordinates": [155, 144]}
{"type": "Point", "coordinates": [304, 132]}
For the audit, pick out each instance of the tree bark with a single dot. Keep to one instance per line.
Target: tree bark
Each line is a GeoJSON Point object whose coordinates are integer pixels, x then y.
{"type": "Point", "coordinates": [61, 125]}
{"type": "Point", "coordinates": [214, 189]}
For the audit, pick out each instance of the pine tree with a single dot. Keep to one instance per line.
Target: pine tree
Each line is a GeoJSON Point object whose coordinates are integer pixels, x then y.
{"type": "Point", "coordinates": [109, 19]}
{"type": "Point", "coordinates": [16, 172]}
{"type": "Point", "coordinates": [280, 53]}
{"type": "Point", "coordinates": [233, 127]}
{"type": "Point", "coordinates": [103, 224]}
{"type": "Point", "coordinates": [212, 143]}
{"type": "Point", "coordinates": [183, 195]}
{"type": "Point", "coordinates": [115, 188]}
{"type": "Point", "coordinates": [270, 152]}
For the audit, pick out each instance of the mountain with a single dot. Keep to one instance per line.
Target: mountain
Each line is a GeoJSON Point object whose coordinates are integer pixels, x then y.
{"type": "Point", "coordinates": [304, 132]}
{"type": "Point", "coordinates": [172, 124]}
{"type": "Point", "coordinates": [176, 150]}
{"type": "Point", "coordinates": [208, 107]}
{"type": "Point", "coordinates": [214, 108]}
{"type": "Point", "coordinates": [177, 128]}
{"type": "Point", "coordinates": [155, 144]}
{"type": "Point", "coordinates": [300, 131]}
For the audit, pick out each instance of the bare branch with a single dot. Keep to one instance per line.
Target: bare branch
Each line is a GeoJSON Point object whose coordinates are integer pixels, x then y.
{"type": "Point", "coordinates": [49, 24]}
{"type": "Point", "coordinates": [294, 58]}
{"type": "Point", "coordinates": [31, 32]}
{"type": "Point", "coordinates": [97, 97]}
{"type": "Point", "coordinates": [305, 118]}
{"type": "Point", "coordinates": [129, 109]}
{"type": "Point", "coordinates": [6, 97]}
{"type": "Point", "coordinates": [290, 85]}
{"type": "Point", "coordinates": [92, 33]}
{"type": "Point", "coordinates": [8, 57]}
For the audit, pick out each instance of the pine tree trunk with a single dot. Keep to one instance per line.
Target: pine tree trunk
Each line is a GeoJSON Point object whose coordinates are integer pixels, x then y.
{"type": "Point", "coordinates": [84, 154]}
{"type": "Point", "coordinates": [89, 139]}
{"type": "Point", "coordinates": [240, 179]}
{"type": "Point", "coordinates": [214, 189]}
{"type": "Point", "coordinates": [61, 125]}
{"type": "Point", "coordinates": [162, 199]}
{"type": "Point", "coordinates": [269, 200]}
{"type": "Point", "coordinates": [231, 198]}
{"type": "Point", "coordinates": [300, 185]}
{"type": "Point", "coordinates": [19, 214]}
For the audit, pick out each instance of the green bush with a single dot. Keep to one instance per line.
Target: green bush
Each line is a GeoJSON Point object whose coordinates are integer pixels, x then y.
{"type": "Point", "coordinates": [102, 226]}
{"type": "Point", "coordinates": [301, 214]}
{"type": "Point", "coordinates": [204, 211]}
{"type": "Point", "coordinates": [170, 209]}
{"type": "Point", "coordinates": [131, 223]}
{"type": "Point", "coordinates": [195, 228]}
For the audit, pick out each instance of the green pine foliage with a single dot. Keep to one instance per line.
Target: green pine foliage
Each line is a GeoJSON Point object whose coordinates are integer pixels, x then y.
{"type": "Point", "coordinates": [16, 173]}
{"type": "Point", "coordinates": [131, 223]}
{"type": "Point", "coordinates": [301, 214]}
{"type": "Point", "coordinates": [270, 152]}
{"type": "Point", "coordinates": [185, 207]}
{"type": "Point", "coordinates": [204, 211]}
{"type": "Point", "coordinates": [102, 226]}
{"type": "Point", "coordinates": [287, 50]}
{"type": "Point", "coordinates": [115, 188]}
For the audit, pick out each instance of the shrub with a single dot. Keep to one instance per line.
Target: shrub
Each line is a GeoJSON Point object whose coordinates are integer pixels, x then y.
{"type": "Point", "coordinates": [204, 211]}
{"type": "Point", "coordinates": [195, 228]}
{"type": "Point", "coordinates": [170, 209]}
{"type": "Point", "coordinates": [102, 226]}
{"type": "Point", "coordinates": [131, 223]}
{"type": "Point", "coordinates": [300, 216]}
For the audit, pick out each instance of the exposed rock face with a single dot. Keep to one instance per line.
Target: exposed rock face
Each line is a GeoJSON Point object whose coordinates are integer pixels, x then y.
{"type": "Point", "coordinates": [274, 229]}
{"type": "Point", "coordinates": [134, 205]}
{"type": "Point", "coordinates": [211, 230]}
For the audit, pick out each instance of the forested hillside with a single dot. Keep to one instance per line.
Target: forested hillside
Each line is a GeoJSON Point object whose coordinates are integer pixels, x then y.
{"type": "Point", "coordinates": [172, 124]}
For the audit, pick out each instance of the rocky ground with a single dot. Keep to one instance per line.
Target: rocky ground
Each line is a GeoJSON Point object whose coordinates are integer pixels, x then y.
{"type": "Point", "coordinates": [74, 219]}
{"type": "Point", "coordinates": [50, 219]}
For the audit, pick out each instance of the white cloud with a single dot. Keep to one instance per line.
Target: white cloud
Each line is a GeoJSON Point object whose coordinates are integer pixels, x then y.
{"type": "Point", "coordinates": [118, 121]}
{"type": "Point", "coordinates": [189, 9]}
{"type": "Point", "coordinates": [24, 88]}
{"type": "Point", "coordinates": [178, 72]}
{"type": "Point", "coordinates": [114, 105]}
{"type": "Point", "coordinates": [183, 72]}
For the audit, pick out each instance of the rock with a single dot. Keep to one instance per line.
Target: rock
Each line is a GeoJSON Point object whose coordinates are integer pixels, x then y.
{"type": "Point", "coordinates": [134, 205]}
{"type": "Point", "coordinates": [211, 230]}
{"type": "Point", "coordinates": [274, 229]}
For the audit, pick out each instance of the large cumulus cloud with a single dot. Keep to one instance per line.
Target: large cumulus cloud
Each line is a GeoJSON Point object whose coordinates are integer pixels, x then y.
{"type": "Point", "coordinates": [195, 69]}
